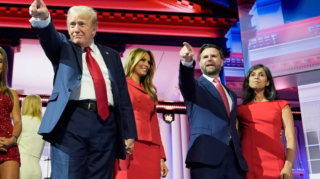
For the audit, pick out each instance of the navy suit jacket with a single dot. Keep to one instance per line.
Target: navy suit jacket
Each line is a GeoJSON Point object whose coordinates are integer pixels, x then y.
{"type": "Point", "coordinates": [209, 123]}
{"type": "Point", "coordinates": [66, 59]}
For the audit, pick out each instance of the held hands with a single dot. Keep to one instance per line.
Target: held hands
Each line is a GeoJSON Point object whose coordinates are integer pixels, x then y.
{"type": "Point", "coordinates": [187, 52]}
{"type": "Point", "coordinates": [129, 145]}
{"type": "Point", "coordinates": [39, 10]}
{"type": "Point", "coordinates": [164, 168]}
{"type": "Point", "coordinates": [286, 173]}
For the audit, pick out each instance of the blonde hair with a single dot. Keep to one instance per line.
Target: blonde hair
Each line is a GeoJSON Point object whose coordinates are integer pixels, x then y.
{"type": "Point", "coordinates": [84, 11]}
{"type": "Point", "coordinates": [132, 60]}
{"type": "Point", "coordinates": [31, 106]}
{"type": "Point", "coordinates": [3, 75]}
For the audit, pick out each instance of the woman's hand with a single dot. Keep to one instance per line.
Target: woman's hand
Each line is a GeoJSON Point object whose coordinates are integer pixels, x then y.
{"type": "Point", "coordinates": [7, 142]}
{"type": "Point", "coordinates": [164, 168]}
{"type": "Point", "coordinates": [286, 173]}
{"type": "Point", "coordinates": [2, 149]}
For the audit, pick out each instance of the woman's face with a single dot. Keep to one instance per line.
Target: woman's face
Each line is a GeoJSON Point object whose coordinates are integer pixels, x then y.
{"type": "Point", "coordinates": [258, 79]}
{"type": "Point", "coordinates": [143, 66]}
{"type": "Point", "coordinates": [1, 59]}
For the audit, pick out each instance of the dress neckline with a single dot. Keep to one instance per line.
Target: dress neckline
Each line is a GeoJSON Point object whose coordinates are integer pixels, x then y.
{"type": "Point", "coordinates": [262, 102]}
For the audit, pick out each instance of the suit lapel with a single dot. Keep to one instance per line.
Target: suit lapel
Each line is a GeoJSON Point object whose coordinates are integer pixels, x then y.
{"type": "Point", "coordinates": [77, 49]}
{"type": "Point", "coordinates": [107, 60]}
{"type": "Point", "coordinates": [134, 84]}
{"type": "Point", "coordinates": [213, 90]}
{"type": "Point", "coordinates": [231, 96]}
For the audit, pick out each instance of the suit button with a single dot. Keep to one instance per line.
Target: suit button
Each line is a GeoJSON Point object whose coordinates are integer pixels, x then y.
{"type": "Point", "coordinates": [79, 78]}
{"type": "Point", "coordinates": [69, 90]}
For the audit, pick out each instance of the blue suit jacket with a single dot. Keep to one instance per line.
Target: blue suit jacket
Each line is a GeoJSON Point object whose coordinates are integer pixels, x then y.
{"type": "Point", "coordinates": [66, 58]}
{"type": "Point", "coordinates": [209, 123]}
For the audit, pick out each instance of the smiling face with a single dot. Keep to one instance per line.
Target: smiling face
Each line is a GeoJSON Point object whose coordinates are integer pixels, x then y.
{"type": "Point", "coordinates": [258, 79]}
{"type": "Point", "coordinates": [81, 30]}
{"type": "Point", "coordinates": [143, 66]}
{"type": "Point", "coordinates": [211, 62]}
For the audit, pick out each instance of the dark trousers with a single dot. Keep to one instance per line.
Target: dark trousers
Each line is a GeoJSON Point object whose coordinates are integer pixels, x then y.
{"type": "Point", "coordinates": [83, 145]}
{"type": "Point", "coordinates": [228, 169]}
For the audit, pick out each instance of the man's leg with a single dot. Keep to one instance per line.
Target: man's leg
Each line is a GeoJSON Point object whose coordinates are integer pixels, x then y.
{"type": "Point", "coordinates": [203, 171]}
{"type": "Point", "coordinates": [234, 170]}
{"type": "Point", "coordinates": [102, 147]}
{"type": "Point", "coordinates": [70, 147]}
{"type": "Point", "coordinates": [59, 162]}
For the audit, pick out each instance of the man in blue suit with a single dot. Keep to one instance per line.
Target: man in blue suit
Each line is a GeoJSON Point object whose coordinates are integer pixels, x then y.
{"type": "Point", "coordinates": [214, 147]}
{"type": "Point", "coordinates": [89, 118]}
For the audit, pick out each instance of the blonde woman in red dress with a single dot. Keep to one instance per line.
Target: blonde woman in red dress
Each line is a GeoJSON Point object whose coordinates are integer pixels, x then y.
{"type": "Point", "coordinates": [148, 157]}
{"type": "Point", "coordinates": [261, 118]}
{"type": "Point", "coordinates": [9, 106]}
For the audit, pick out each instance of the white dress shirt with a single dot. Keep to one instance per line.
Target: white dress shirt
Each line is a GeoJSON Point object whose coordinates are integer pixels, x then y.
{"type": "Point", "coordinates": [189, 64]}
{"type": "Point", "coordinates": [85, 89]}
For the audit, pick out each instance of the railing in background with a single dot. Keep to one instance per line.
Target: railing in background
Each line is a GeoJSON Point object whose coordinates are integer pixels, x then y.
{"type": "Point", "coordinates": [286, 33]}
{"type": "Point", "coordinates": [235, 60]}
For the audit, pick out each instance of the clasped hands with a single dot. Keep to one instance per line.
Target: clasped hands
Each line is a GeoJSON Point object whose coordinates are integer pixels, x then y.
{"type": "Point", "coordinates": [129, 144]}
{"type": "Point", "coordinates": [6, 143]}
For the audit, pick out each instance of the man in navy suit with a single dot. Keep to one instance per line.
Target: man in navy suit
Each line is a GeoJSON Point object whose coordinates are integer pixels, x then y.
{"type": "Point", "coordinates": [214, 147]}
{"type": "Point", "coordinates": [89, 118]}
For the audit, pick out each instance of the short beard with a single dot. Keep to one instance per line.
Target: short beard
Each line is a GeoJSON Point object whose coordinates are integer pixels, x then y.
{"type": "Point", "coordinates": [211, 73]}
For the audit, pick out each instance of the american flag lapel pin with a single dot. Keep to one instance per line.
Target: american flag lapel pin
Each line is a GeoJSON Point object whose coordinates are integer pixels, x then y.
{"type": "Point", "coordinates": [107, 53]}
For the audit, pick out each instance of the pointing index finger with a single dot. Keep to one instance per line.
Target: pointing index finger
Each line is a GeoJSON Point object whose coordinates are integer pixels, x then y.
{"type": "Point", "coordinates": [187, 45]}
{"type": "Point", "coordinates": [39, 2]}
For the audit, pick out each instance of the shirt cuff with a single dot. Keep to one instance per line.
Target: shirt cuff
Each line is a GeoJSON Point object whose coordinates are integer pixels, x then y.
{"type": "Point", "coordinates": [187, 64]}
{"type": "Point", "coordinates": [37, 23]}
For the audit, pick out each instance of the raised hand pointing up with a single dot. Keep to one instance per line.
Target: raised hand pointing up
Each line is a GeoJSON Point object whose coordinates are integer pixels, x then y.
{"type": "Point", "coordinates": [187, 52]}
{"type": "Point", "coordinates": [39, 10]}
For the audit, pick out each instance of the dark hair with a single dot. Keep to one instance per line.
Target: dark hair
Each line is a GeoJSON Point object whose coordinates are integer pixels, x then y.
{"type": "Point", "coordinates": [270, 91]}
{"type": "Point", "coordinates": [205, 46]}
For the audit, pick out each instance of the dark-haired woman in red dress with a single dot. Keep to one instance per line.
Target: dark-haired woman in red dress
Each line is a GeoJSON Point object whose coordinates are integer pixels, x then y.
{"type": "Point", "coordinates": [9, 104]}
{"type": "Point", "coordinates": [261, 118]}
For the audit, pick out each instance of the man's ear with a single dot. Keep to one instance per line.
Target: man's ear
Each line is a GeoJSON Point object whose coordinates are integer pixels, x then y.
{"type": "Point", "coordinates": [94, 32]}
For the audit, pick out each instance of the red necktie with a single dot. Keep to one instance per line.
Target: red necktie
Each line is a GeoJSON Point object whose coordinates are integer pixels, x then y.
{"type": "Point", "coordinates": [99, 85]}
{"type": "Point", "coordinates": [222, 94]}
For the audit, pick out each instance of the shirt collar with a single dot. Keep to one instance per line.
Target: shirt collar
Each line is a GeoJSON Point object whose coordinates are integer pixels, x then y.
{"type": "Point", "coordinates": [92, 46]}
{"type": "Point", "coordinates": [209, 78]}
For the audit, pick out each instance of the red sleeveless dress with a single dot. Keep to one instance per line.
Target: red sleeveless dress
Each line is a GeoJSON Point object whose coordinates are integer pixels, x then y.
{"type": "Point", "coordinates": [260, 124]}
{"type": "Point", "coordinates": [6, 128]}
